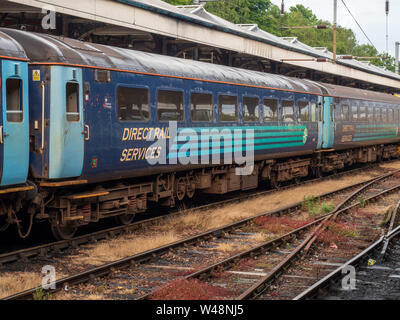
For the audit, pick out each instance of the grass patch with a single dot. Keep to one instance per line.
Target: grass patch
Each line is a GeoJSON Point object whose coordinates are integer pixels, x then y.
{"type": "Point", "coordinates": [314, 207]}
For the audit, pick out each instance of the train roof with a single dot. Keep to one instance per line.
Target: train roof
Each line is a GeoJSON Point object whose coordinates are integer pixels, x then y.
{"type": "Point", "coordinates": [10, 48]}
{"type": "Point", "coordinates": [63, 50]}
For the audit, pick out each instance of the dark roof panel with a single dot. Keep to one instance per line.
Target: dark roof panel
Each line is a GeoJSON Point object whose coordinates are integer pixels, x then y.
{"type": "Point", "coordinates": [10, 48]}
{"type": "Point", "coordinates": [69, 51]}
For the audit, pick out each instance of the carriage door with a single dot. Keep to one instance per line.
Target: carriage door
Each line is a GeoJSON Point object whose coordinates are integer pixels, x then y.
{"type": "Point", "coordinates": [66, 145]}
{"type": "Point", "coordinates": [14, 130]}
{"type": "Point", "coordinates": [328, 122]}
{"type": "Point", "coordinates": [317, 117]}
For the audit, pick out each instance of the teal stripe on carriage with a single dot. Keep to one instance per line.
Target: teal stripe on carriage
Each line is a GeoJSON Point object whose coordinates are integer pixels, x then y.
{"type": "Point", "coordinates": [365, 134]}
{"type": "Point", "coordinates": [361, 126]}
{"type": "Point", "coordinates": [290, 127]}
{"type": "Point", "coordinates": [239, 142]}
{"type": "Point", "coordinates": [375, 138]}
{"type": "Point", "coordinates": [183, 137]}
{"type": "Point", "coordinates": [230, 150]}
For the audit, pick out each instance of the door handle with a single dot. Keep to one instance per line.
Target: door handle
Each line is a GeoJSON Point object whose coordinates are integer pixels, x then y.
{"type": "Point", "coordinates": [86, 132]}
{"type": "Point", "coordinates": [1, 135]}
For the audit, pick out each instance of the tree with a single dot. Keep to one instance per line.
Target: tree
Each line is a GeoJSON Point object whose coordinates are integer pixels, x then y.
{"type": "Point", "coordinates": [268, 17]}
{"type": "Point", "coordinates": [179, 2]}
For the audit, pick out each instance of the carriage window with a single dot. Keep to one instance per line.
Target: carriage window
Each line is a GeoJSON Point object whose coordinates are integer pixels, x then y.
{"type": "Point", "coordinates": [314, 112]}
{"type": "Point", "coordinates": [344, 114]}
{"type": "Point", "coordinates": [251, 109]}
{"type": "Point", "coordinates": [170, 105]}
{"type": "Point", "coordinates": [354, 113]}
{"type": "Point", "coordinates": [396, 116]}
{"type": "Point", "coordinates": [72, 104]}
{"type": "Point", "coordinates": [133, 104]}
{"type": "Point", "coordinates": [384, 115]}
{"type": "Point", "coordinates": [14, 100]}
{"type": "Point", "coordinates": [287, 111]}
{"type": "Point", "coordinates": [270, 108]}
{"type": "Point", "coordinates": [102, 76]}
{"type": "Point", "coordinates": [304, 110]}
{"type": "Point", "coordinates": [363, 113]}
{"type": "Point", "coordinates": [377, 115]}
{"type": "Point", "coordinates": [228, 108]}
{"type": "Point", "coordinates": [370, 114]}
{"type": "Point", "coordinates": [390, 116]}
{"type": "Point", "coordinates": [201, 107]}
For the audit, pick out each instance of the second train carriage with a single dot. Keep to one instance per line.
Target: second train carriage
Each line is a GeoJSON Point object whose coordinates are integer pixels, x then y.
{"type": "Point", "coordinates": [100, 114]}
{"type": "Point", "coordinates": [14, 130]}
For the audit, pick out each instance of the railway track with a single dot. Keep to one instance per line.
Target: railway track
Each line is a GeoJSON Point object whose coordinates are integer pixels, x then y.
{"type": "Point", "coordinates": [228, 274]}
{"type": "Point", "coordinates": [59, 246]}
{"type": "Point", "coordinates": [138, 261]}
{"type": "Point", "coordinates": [374, 269]}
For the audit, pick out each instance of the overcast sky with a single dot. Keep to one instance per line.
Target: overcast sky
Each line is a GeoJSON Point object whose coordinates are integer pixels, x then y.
{"type": "Point", "coordinates": [370, 14]}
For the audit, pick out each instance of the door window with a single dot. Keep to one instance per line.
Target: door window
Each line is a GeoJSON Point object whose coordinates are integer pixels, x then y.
{"type": "Point", "coordinates": [72, 96]}
{"type": "Point", "coordinates": [14, 108]}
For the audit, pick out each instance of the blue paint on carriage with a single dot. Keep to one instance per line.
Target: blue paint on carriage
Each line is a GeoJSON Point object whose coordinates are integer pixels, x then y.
{"type": "Point", "coordinates": [66, 142]}
{"type": "Point", "coordinates": [106, 145]}
{"type": "Point", "coordinates": [328, 123]}
{"type": "Point", "coordinates": [15, 160]}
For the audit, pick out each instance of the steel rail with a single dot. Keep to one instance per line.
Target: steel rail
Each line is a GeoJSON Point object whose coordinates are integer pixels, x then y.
{"type": "Point", "coordinates": [108, 268]}
{"type": "Point", "coordinates": [224, 264]}
{"type": "Point", "coordinates": [43, 250]}
{"type": "Point", "coordinates": [259, 287]}
{"type": "Point", "coordinates": [315, 289]}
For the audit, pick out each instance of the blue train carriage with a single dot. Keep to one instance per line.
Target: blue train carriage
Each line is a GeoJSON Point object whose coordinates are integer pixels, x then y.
{"type": "Point", "coordinates": [112, 129]}
{"type": "Point", "coordinates": [14, 131]}
{"type": "Point", "coordinates": [366, 124]}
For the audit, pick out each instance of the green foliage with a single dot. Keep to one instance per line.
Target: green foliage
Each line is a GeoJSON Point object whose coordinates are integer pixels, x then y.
{"type": "Point", "coordinates": [314, 206]}
{"type": "Point", "coordinates": [327, 207]}
{"type": "Point", "coordinates": [268, 17]}
{"type": "Point", "coordinates": [179, 2]}
{"type": "Point", "coordinates": [311, 204]}
{"type": "Point", "coordinates": [40, 294]}
{"type": "Point", "coordinates": [362, 201]}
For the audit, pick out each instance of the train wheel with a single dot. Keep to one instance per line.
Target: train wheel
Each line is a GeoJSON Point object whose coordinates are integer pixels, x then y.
{"type": "Point", "coordinates": [190, 189]}
{"type": "Point", "coordinates": [63, 232]}
{"type": "Point", "coordinates": [180, 188]}
{"type": "Point", "coordinates": [125, 219]}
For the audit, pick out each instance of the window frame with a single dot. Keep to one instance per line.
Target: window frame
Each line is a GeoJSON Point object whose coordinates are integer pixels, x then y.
{"type": "Point", "coordinates": [258, 106]}
{"type": "Point", "coordinates": [347, 113]}
{"type": "Point", "coordinates": [132, 87]}
{"type": "Point", "coordinates": [78, 112]}
{"type": "Point", "coordinates": [277, 100]}
{"type": "Point", "coordinates": [299, 111]}
{"type": "Point", "coordinates": [183, 104]}
{"type": "Point", "coordinates": [365, 119]}
{"type": "Point", "coordinates": [353, 119]}
{"type": "Point", "coordinates": [212, 105]}
{"type": "Point", "coordinates": [294, 111]}
{"type": "Point", "coordinates": [219, 107]}
{"type": "Point", "coordinates": [21, 101]}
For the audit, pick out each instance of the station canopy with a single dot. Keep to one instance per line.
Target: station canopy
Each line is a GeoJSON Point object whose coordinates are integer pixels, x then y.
{"type": "Point", "coordinates": [193, 33]}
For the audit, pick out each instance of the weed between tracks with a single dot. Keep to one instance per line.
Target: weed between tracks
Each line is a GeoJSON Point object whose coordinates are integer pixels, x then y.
{"type": "Point", "coordinates": [279, 225]}
{"type": "Point", "coordinates": [192, 289]}
{"type": "Point", "coordinates": [176, 229]}
{"type": "Point", "coordinates": [337, 233]}
{"type": "Point", "coordinates": [314, 207]}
